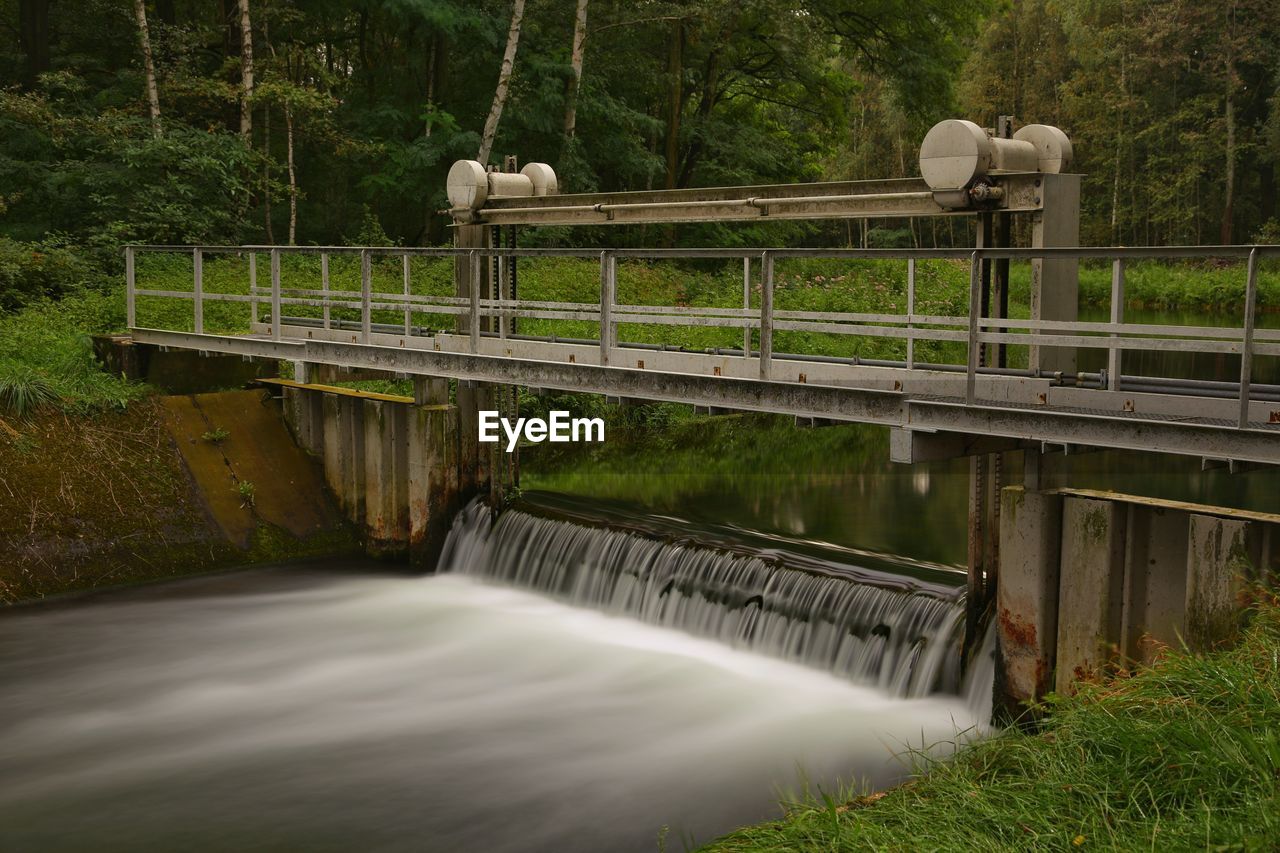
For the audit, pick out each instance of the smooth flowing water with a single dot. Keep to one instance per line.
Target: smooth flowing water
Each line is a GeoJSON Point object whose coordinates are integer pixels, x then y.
{"type": "Point", "coordinates": [339, 708]}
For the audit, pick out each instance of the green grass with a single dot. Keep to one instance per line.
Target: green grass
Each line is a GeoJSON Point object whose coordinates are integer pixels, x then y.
{"type": "Point", "coordinates": [1182, 755]}
{"type": "Point", "coordinates": [46, 357]}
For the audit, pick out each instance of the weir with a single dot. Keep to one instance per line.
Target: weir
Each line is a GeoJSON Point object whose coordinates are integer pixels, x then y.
{"type": "Point", "coordinates": [900, 635]}
{"type": "Point", "coordinates": [1061, 583]}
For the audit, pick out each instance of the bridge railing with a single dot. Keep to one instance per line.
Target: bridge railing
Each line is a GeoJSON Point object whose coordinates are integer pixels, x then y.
{"type": "Point", "coordinates": [366, 306]}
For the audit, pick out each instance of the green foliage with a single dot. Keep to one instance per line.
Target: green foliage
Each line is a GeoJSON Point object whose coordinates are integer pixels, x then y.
{"type": "Point", "coordinates": [248, 493]}
{"type": "Point", "coordinates": [30, 272]}
{"type": "Point", "coordinates": [215, 436]}
{"type": "Point", "coordinates": [1183, 755]}
{"type": "Point", "coordinates": [48, 345]}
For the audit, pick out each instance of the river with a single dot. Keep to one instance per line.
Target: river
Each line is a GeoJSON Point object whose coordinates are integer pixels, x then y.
{"type": "Point", "coordinates": [339, 707]}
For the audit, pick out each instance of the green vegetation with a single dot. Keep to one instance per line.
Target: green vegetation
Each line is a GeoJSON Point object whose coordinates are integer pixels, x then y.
{"type": "Point", "coordinates": [1182, 755]}
{"type": "Point", "coordinates": [248, 493]}
{"type": "Point", "coordinates": [216, 436]}
{"type": "Point", "coordinates": [46, 356]}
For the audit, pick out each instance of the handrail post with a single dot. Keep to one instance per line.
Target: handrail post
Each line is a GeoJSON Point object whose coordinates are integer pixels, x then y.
{"type": "Point", "coordinates": [746, 306]}
{"type": "Point", "coordinates": [130, 286]}
{"type": "Point", "coordinates": [1246, 348]}
{"type": "Point", "coordinates": [408, 310]}
{"type": "Point", "coordinates": [197, 268]}
{"type": "Point", "coordinates": [324, 287]}
{"type": "Point", "coordinates": [366, 296]}
{"type": "Point", "coordinates": [975, 305]}
{"type": "Point", "coordinates": [253, 288]}
{"type": "Point", "coordinates": [608, 295]}
{"type": "Point", "coordinates": [275, 294]}
{"type": "Point", "coordinates": [766, 314]}
{"type": "Point", "coordinates": [911, 310]}
{"type": "Point", "coordinates": [1114, 353]}
{"type": "Point", "coordinates": [473, 291]}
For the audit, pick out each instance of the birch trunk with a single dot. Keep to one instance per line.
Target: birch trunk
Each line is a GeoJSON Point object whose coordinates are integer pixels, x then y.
{"type": "Point", "coordinates": [504, 83]}
{"type": "Point", "coordinates": [575, 64]}
{"type": "Point", "coordinates": [293, 175]}
{"type": "Point", "coordinates": [246, 73]}
{"type": "Point", "coordinates": [148, 65]}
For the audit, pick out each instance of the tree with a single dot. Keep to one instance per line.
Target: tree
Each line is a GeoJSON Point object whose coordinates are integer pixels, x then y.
{"type": "Point", "coordinates": [246, 74]}
{"type": "Point", "coordinates": [504, 83]}
{"type": "Point", "coordinates": [149, 69]}
{"type": "Point", "coordinates": [575, 70]}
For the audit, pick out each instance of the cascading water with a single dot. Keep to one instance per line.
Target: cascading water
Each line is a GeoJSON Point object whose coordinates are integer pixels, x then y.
{"type": "Point", "coordinates": [903, 637]}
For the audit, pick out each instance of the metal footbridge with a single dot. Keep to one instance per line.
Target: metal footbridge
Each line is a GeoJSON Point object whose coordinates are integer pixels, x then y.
{"type": "Point", "coordinates": [935, 409]}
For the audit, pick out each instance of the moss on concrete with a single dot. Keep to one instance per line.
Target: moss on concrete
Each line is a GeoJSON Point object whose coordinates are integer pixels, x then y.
{"type": "Point", "coordinates": [105, 499]}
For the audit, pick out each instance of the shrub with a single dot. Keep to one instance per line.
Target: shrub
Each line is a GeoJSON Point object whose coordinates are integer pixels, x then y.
{"type": "Point", "coordinates": [30, 272]}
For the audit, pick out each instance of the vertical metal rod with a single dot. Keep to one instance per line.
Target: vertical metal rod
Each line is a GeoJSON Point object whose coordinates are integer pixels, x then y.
{"type": "Point", "coordinates": [608, 294]}
{"type": "Point", "coordinates": [984, 304]}
{"type": "Point", "coordinates": [197, 295]}
{"type": "Point", "coordinates": [1246, 348]}
{"type": "Point", "coordinates": [130, 286]}
{"type": "Point", "coordinates": [911, 310]}
{"type": "Point", "coordinates": [253, 287]}
{"type": "Point", "coordinates": [503, 320]}
{"type": "Point", "coordinates": [324, 286]}
{"type": "Point", "coordinates": [1114, 355]}
{"type": "Point", "coordinates": [366, 296]}
{"type": "Point", "coordinates": [473, 291]}
{"type": "Point", "coordinates": [275, 294]}
{"type": "Point", "coordinates": [766, 314]}
{"type": "Point", "coordinates": [746, 306]}
{"type": "Point", "coordinates": [408, 311]}
{"type": "Point", "coordinates": [975, 305]}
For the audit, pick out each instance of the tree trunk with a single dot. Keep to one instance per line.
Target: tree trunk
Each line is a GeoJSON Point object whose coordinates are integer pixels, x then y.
{"type": "Point", "coordinates": [293, 176]}
{"type": "Point", "coordinates": [1228, 203]}
{"type": "Point", "coordinates": [33, 34]}
{"type": "Point", "coordinates": [153, 96]}
{"type": "Point", "coordinates": [504, 83]}
{"type": "Point", "coordinates": [431, 83]}
{"type": "Point", "coordinates": [246, 74]}
{"type": "Point", "coordinates": [575, 65]}
{"type": "Point", "coordinates": [675, 70]}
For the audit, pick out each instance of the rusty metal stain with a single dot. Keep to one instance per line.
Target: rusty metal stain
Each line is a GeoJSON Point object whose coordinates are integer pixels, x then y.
{"type": "Point", "coordinates": [1128, 406]}
{"type": "Point", "coordinates": [715, 370]}
{"type": "Point", "coordinates": [897, 385]}
{"type": "Point", "coordinates": [1275, 417]}
{"type": "Point", "coordinates": [1016, 631]}
{"type": "Point", "coordinates": [803, 379]}
{"type": "Point", "coordinates": [1043, 398]}
{"type": "Point", "coordinates": [640, 364]}
{"type": "Point", "coordinates": [572, 359]}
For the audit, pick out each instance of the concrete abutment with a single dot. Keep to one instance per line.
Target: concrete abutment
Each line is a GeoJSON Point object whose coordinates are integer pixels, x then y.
{"type": "Point", "coordinates": [1091, 581]}
{"type": "Point", "coordinates": [400, 467]}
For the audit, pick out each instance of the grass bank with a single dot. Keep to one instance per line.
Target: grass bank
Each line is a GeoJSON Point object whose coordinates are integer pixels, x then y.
{"type": "Point", "coordinates": [1182, 755]}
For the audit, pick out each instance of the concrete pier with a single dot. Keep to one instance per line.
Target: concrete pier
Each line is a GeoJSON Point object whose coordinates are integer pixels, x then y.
{"type": "Point", "coordinates": [400, 467]}
{"type": "Point", "coordinates": [1092, 581]}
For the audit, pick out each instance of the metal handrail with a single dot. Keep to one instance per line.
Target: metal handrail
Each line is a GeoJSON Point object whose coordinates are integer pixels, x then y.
{"type": "Point", "coordinates": [974, 330]}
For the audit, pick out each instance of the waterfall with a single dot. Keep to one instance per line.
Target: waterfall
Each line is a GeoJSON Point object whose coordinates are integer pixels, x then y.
{"type": "Point", "coordinates": [902, 636]}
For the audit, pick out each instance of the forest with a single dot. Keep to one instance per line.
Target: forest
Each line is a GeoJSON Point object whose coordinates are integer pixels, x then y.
{"type": "Point", "coordinates": [328, 122]}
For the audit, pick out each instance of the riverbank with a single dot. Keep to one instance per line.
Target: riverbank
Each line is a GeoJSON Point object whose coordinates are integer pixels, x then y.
{"type": "Point", "coordinates": [1182, 755]}
{"type": "Point", "coordinates": [106, 498]}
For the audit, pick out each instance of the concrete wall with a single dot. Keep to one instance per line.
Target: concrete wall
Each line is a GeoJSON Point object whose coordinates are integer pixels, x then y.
{"type": "Point", "coordinates": [1096, 580]}
{"type": "Point", "coordinates": [399, 467]}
